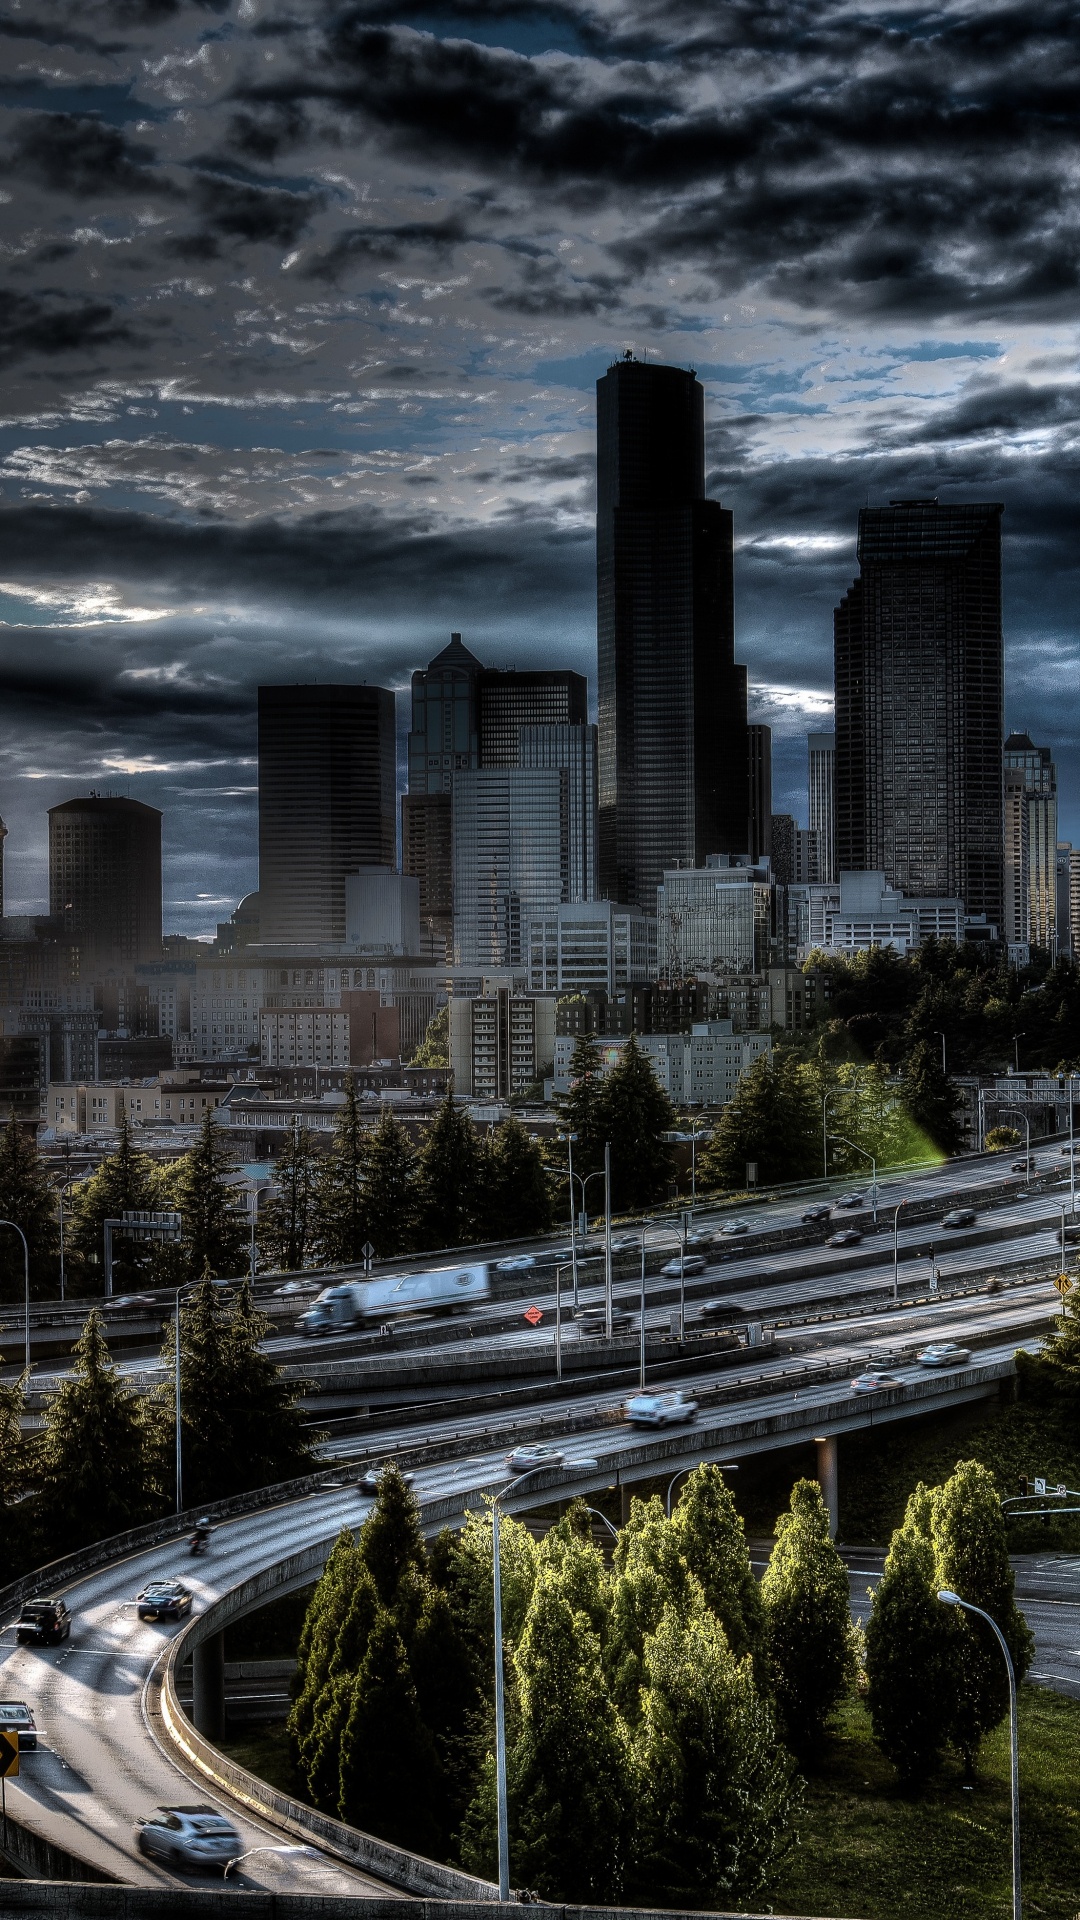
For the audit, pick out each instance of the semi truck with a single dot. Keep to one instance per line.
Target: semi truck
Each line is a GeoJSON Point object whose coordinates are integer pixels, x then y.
{"type": "Point", "coordinates": [352, 1303]}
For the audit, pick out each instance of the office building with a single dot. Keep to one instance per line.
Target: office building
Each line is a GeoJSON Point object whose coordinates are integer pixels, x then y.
{"type": "Point", "coordinates": [427, 856]}
{"type": "Point", "coordinates": [591, 946]}
{"type": "Point", "coordinates": [1063, 895]}
{"type": "Point", "coordinates": [716, 919]}
{"type": "Point", "coordinates": [105, 879]}
{"type": "Point", "coordinates": [821, 754]}
{"type": "Point", "coordinates": [918, 659]}
{"type": "Point", "coordinates": [304, 1036]}
{"type": "Point", "coordinates": [507, 701]}
{"type": "Point", "coordinates": [1038, 813]}
{"type": "Point", "coordinates": [701, 1068]}
{"type": "Point", "coordinates": [443, 734]}
{"type": "Point", "coordinates": [382, 912]}
{"type": "Point", "coordinates": [672, 701]}
{"type": "Point", "coordinates": [1014, 923]}
{"type": "Point", "coordinates": [327, 803]}
{"type": "Point", "coordinates": [864, 911]}
{"type": "Point", "coordinates": [511, 860]}
{"type": "Point", "coordinates": [759, 760]}
{"type": "Point", "coordinates": [571, 750]}
{"type": "Point", "coordinates": [796, 852]}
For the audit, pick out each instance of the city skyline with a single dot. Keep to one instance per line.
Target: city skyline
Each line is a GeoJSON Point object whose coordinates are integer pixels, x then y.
{"type": "Point", "coordinates": [299, 370]}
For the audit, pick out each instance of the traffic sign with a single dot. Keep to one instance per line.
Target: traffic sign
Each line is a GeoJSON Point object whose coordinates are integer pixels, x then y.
{"type": "Point", "coordinates": [9, 1753]}
{"type": "Point", "coordinates": [533, 1315]}
{"type": "Point", "coordinates": [1040, 1487]}
{"type": "Point", "coordinates": [368, 1254]}
{"type": "Point", "coordinates": [1063, 1284]}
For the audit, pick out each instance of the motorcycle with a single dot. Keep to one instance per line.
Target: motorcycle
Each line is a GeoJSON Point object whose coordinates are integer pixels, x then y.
{"type": "Point", "coordinates": [199, 1541]}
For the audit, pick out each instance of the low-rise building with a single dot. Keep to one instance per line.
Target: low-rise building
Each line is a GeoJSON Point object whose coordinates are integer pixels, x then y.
{"type": "Point", "coordinates": [501, 1041]}
{"type": "Point", "coordinates": [701, 1068]}
{"type": "Point", "coordinates": [173, 1100]}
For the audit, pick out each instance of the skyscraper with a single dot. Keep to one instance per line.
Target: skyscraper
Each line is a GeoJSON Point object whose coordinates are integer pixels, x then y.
{"type": "Point", "coordinates": [508, 700]}
{"type": "Point", "coordinates": [327, 792]}
{"type": "Point", "coordinates": [105, 879]}
{"type": "Point", "coordinates": [759, 749]}
{"type": "Point", "coordinates": [511, 860]}
{"type": "Point", "coordinates": [672, 702]}
{"type": "Point", "coordinates": [1035, 805]}
{"type": "Point", "coordinates": [821, 749]}
{"type": "Point", "coordinates": [443, 739]}
{"type": "Point", "coordinates": [919, 703]}
{"type": "Point", "coordinates": [573, 751]}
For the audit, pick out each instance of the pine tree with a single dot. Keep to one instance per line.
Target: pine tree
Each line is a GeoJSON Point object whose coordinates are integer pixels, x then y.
{"type": "Point", "coordinates": [215, 1230]}
{"type": "Point", "coordinates": [650, 1574]}
{"type": "Point", "coordinates": [434, 1048]}
{"type": "Point", "coordinates": [205, 1389]}
{"type": "Point", "coordinates": [930, 1098]}
{"type": "Point", "coordinates": [447, 1185]}
{"type": "Point", "coordinates": [286, 1222]}
{"type": "Point", "coordinates": [267, 1441]}
{"type": "Point", "coordinates": [95, 1465]}
{"type": "Point", "coordinates": [580, 1111]}
{"type": "Point", "coordinates": [634, 1114]}
{"type": "Point", "coordinates": [516, 1187]}
{"type": "Point", "coordinates": [709, 1532]}
{"type": "Point", "coordinates": [27, 1198]}
{"type": "Point", "coordinates": [333, 1703]}
{"type": "Point", "coordinates": [126, 1182]}
{"type": "Point", "coordinates": [569, 1550]}
{"type": "Point", "coordinates": [391, 1539]}
{"type": "Point", "coordinates": [326, 1610]}
{"type": "Point", "coordinates": [772, 1120]}
{"type": "Point", "coordinates": [14, 1512]}
{"type": "Point", "coordinates": [390, 1187]}
{"type": "Point", "coordinates": [971, 1558]}
{"type": "Point", "coordinates": [340, 1218]}
{"type": "Point", "coordinates": [1052, 1376]}
{"type": "Point", "coordinates": [809, 1637]}
{"type": "Point", "coordinates": [717, 1794]}
{"type": "Point", "coordinates": [911, 1681]}
{"type": "Point", "coordinates": [389, 1767]}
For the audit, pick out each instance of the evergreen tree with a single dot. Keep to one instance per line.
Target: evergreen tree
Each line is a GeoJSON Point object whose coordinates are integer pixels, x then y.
{"type": "Point", "coordinates": [333, 1703]}
{"type": "Point", "coordinates": [570, 1551]}
{"type": "Point", "coordinates": [287, 1221]}
{"type": "Point", "coordinates": [1052, 1376]}
{"type": "Point", "coordinates": [568, 1772]}
{"type": "Point", "coordinates": [215, 1230]}
{"type": "Point", "coordinates": [318, 1639]}
{"type": "Point", "coordinates": [451, 1695]}
{"type": "Point", "coordinates": [389, 1767]}
{"type": "Point", "coordinates": [709, 1532]}
{"type": "Point", "coordinates": [516, 1187]}
{"type": "Point", "coordinates": [971, 1559]}
{"type": "Point", "coordinates": [634, 1114]}
{"type": "Point", "coordinates": [771, 1119]}
{"type": "Point", "coordinates": [447, 1185]}
{"type": "Point", "coordinates": [127, 1181]}
{"type": "Point", "coordinates": [809, 1637]}
{"type": "Point", "coordinates": [95, 1466]}
{"type": "Point", "coordinates": [391, 1540]}
{"type": "Point", "coordinates": [930, 1098]}
{"type": "Point", "coordinates": [27, 1198]}
{"type": "Point", "coordinates": [580, 1111]}
{"type": "Point", "coordinates": [267, 1441]}
{"type": "Point", "coordinates": [340, 1219]}
{"type": "Point", "coordinates": [650, 1574]}
{"type": "Point", "coordinates": [390, 1187]}
{"type": "Point", "coordinates": [434, 1048]}
{"type": "Point", "coordinates": [14, 1513]}
{"type": "Point", "coordinates": [911, 1681]}
{"type": "Point", "coordinates": [717, 1794]}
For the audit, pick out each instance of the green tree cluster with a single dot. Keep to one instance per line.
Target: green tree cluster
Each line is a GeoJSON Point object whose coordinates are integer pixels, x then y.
{"type": "Point", "coordinates": [809, 1640]}
{"type": "Point", "coordinates": [624, 1107]}
{"type": "Point", "coordinates": [127, 1181]}
{"type": "Point", "coordinates": [772, 1120]}
{"type": "Point", "coordinates": [28, 1199]}
{"type": "Point", "coordinates": [935, 1676]}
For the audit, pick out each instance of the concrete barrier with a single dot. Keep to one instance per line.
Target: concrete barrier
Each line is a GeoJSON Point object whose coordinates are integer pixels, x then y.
{"type": "Point", "coordinates": [161, 1903]}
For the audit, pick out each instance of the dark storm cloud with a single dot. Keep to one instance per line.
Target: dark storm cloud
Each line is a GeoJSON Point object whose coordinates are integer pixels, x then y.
{"type": "Point", "coordinates": [254, 212]}
{"type": "Point", "coordinates": [383, 244]}
{"type": "Point", "coordinates": [72, 153]}
{"type": "Point", "coordinates": [1006, 408]}
{"type": "Point", "coordinates": [53, 325]}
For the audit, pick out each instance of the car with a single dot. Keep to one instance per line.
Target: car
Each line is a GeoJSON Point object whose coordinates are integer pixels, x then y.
{"type": "Point", "coordinates": [1021, 1166]}
{"type": "Point", "coordinates": [134, 1300]}
{"type": "Point", "coordinates": [624, 1242]}
{"type": "Point", "coordinates": [875, 1380]}
{"type": "Point", "coordinates": [1067, 1150]}
{"type": "Point", "coordinates": [659, 1409]}
{"type": "Point", "coordinates": [524, 1459]}
{"type": "Point", "coordinates": [702, 1239]}
{"type": "Point", "coordinates": [693, 1263]}
{"type": "Point", "coordinates": [820, 1211]}
{"type": "Point", "coordinates": [292, 1287]}
{"type": "Point", "coordinates": [189, 1837]}
{"type": "Point", "coordinates": [369, 1481]}
{"type": "Point", "coordinates": [713, 1309]}
{"type": "Point", "coordinates": [852, 1200]}
{"type": "Point", "coordinates": [960, 1217]}
{"type": "Point", "coordinates": [593, 1321]}
{"type": "Point", "coordinates": [516, 1263]}
{"type": "Point", "coordinates": [164, 1600]}
{"type": "Point", "coordinates": [16, 1717]}
{"type": "Point", "coordinates": [943, 1353]}
{"type": "Point", "coordinates": [735, 1226]}
{"type": "Point", "coordinates": [847, 1237]}
{"type": "Point", "coordinates": [43, 1622]}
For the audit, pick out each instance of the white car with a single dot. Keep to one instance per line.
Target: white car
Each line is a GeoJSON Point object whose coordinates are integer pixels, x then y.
{"type": "Point", "coordinates": [516, 1263]}
{"type": "Point", "coordinates": [524, 1458]}
{"type": "Point", "coordinates": [659, 1409]}
{"type": "Point", "coordinates": [942, 1353]}
{"type": "Point", "coordinates": [736, 1226]}
{"type": "Point", "coordinates": [189, 1837]}
{"type": "Point", "coordinates": [875, 1380]}
{"type": "Point", "coordinates": [694, 1263]}
{"type": "Point", "coordinates": [624, 1242]}
{"type": "Point", "coordinates": [299, 1286]}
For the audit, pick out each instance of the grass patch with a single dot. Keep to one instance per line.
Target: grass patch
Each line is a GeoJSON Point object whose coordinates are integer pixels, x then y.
{"type": "Point", "coordinates": [870, 1852]}
{"type": "Point", "coordinates": [264, 1750]}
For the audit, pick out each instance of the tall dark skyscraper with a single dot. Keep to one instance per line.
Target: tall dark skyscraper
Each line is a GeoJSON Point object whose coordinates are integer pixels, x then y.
{"type": "Point", "coordinates": [759, 748]}
{"type": "Point", "coordinates": [919, 703]}
{"type": "Point", "coordinates": [443, 740]}
{"type": "Point", "coordinates": [672, 702]}
{"type": "Point", "coordinates": [105, 879]}
{"type": "Point", "coordinates": [508, 700]}
{"type": "Point", "coordinates": [327, 794]}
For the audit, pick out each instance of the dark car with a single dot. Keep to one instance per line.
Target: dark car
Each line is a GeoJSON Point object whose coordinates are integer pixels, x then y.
{"type": "Point", "coordinates": [852, 1200]}
{"type": "Point", "coordinates": [164, 1600]}
{"type": "Point", "coordinates": [43, 1623]}
{"type": "Point", "coordinates": [960, 1217]}
{"type": "Point", "coordinates": [17, 1717]}
{"type": "Point", "coordinates": [820, 1211]}
{"type": "Point", "coordinates": [847, 1237]}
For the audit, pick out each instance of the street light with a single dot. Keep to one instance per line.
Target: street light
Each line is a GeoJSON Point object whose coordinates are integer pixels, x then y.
{"type": "Point", "coordinates": [1017, 1037]}
{"type": "Point", "coordinates": [1021, 1115]}
{"type": "Point", "coordinates": [950, 1599]}
{"type": "Point", "coordinates": [26, 1279]}
{"type": "Point", "coordinates": [570, 1138]}
{"type": "Point", "coordinates": [602, 1517]}
{"type": "Point", "coordinates": [855, 1148]}
{"type": "Point", "coordinates": [896, 1255]}
{"type": "Point", "coordinates": [726, 1466]}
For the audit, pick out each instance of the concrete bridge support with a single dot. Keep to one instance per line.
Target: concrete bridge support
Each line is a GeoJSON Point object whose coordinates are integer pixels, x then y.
{"type": "Point", "coordinates": [208, 1686]}
{"type": "Point", "coordinates": [828, 1477]}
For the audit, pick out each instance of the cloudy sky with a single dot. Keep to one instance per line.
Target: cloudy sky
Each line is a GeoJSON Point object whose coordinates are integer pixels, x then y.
{"type": "Point", "coordinates": [303, 306]}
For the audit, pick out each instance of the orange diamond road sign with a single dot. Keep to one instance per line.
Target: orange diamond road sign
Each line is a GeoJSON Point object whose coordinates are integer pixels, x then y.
{"type": "Point", "coordinates": [534, 1316]}
{"type": "Point", "coordinates": [1063, 1284]}
{"type": "Point", "coordinates": [9, 1753]}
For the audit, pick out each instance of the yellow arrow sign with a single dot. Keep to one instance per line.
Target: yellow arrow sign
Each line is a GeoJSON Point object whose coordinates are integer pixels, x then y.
{"type": "Point", "coordinates": [9, 1753]}
{"type": "Point", "coordinates": [1063, 1284]}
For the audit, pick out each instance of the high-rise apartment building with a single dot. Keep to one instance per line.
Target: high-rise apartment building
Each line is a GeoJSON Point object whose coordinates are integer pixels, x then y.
{"type": "Point", "coordinates": [511, 860]}
{"type": "Point", "coordinates": [1036, 806]}
{"type": "Point", "coordinates": [507, 701]}
{"type": "Point", "coordinates": [105, 879]}
{"type": "Point", "coordinates": [821, 753]}
{"type": "Point", "coordinates": [570, 750]}
{"type": "Point", "coordinates": [672, 701]}
{"type": "Point", "coordinates": [759, 762]}
{"type": "Point", "coordinates": [918, 659]}
{"type": "Point", "coordinates": [1014, 919]}
{"type": "Point", "coordinates": [327, 803]}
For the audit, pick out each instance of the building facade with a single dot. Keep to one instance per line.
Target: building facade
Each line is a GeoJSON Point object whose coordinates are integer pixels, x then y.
{"type": "Point", "coordinates": [591, 946]}
{"type": "Point", "coordinates": [508, 700]}
{"type": "Point", "coordinates": [759, 765]}
{"type": "Point", "coordinates": [716, 919]}
{"type": "Point", "coordinates": [674, 783]}
{"type": "Point", "coordinates": [919, 701]}
{"type": "Point", "coordinates": [511, 860]}
{"type": "Point", "coordinates": [327, 803]}
{"type": "Point", "coordinates": [501, 1041]}
{"type": "Point", "coordinates": [105, 879]}
{"type": "Point", "coordinates": [821, 757]}
{"type": "Point", "coordinates": [571, 750]}
{"type": "Point", "coordinates": [701, 1068]}
{"type": "Point", "coordinates": [382, 912]}
{"type": "Point", "coordinates": [1031, 865]}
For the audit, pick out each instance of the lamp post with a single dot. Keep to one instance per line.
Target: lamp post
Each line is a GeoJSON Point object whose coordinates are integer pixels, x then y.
{"type": "Point", "coordinates": [950, 1599]}
{"type": "Point", "coordinates": [1017, 1037]}
{"type": "Point", "coordinates": [26, 1280]}
{"type": "Point", "coordinates": [230, 1864]}
{"type": "Point", "coordinates": [604, 1521]}
{"type": "Point", "coordinates": [570, 1138]}
{"type": "Point", "coordinates": [725, 1466]}
{"type": "Point", "coordinates": [607, 1238]}
{"type": "Point", "coordinates": [1021, 1115]}
{"type": "Point", "coordinates": [941, 1037]}
{"type": "Point", "coordinates": [855, 1148]}
{"type": "Point", "coordinates": [896, 1255]}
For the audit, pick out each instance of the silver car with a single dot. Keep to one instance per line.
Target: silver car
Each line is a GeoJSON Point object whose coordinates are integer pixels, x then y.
{"type": "Point", "coordinates": [189, 1837]}
{"type": "Point", "coordinates": [942, 1353]}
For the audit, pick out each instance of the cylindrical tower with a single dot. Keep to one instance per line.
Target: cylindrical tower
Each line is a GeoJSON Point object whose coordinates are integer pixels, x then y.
{"type": "Point", "coordinates": [105, 878]}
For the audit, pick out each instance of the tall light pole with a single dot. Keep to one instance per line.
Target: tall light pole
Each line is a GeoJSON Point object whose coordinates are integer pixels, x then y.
{"type": "Point", "coordinates": [855, 1148]}
{"type": "Point", "coordinates": [950, 1599]}
{"type": "Point", "coordinates": [1017, 1037]}
{"type": "Point", "coordinates": [944, 1068]}
{"type": "Point", "coordinates": [570, 1138]}
{"type": "Point", "coordinates": [26, 1280]}
{"type": "Point", "coordinates": [896, 1255]}
{"type": "Point", "coordinates": [607, 1238]}
{"type": "Point", "coordinates": [1021, 1115]}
